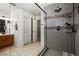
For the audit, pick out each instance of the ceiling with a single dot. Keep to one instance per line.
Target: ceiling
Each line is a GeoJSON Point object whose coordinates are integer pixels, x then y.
{"type": "Point", "coordinates": [4, 6]}
{"type": "Point", "coordinates": [44, 4]}
{"type": "Point", "coordinates": [29, 7]}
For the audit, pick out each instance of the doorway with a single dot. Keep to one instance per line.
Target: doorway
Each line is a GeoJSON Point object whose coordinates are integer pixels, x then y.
{"type": "Point", "coordinates": [31, 30]}
{"type": "Point", "coordinates": [38, 30]}
{"type": "Point", "coordinates": [34, 30]}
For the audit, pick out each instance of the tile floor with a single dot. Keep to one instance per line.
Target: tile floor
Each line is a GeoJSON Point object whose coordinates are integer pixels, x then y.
{"type": "Point", "coordinates": [28, 50]}
{"type": "Point", "coordinates": [52, 52]}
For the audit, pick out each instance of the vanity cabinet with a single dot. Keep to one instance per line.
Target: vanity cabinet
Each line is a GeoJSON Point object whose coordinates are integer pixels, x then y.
{"type": "Point", "coordinates": [6, 40]}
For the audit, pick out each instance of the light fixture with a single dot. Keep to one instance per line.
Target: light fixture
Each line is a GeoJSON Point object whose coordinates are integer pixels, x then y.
{"type": "Point", "coordinates": [13, 4]}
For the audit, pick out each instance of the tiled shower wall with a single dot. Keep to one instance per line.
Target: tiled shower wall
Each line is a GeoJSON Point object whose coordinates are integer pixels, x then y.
{"type": "Point", "coordinates": [58, 40]}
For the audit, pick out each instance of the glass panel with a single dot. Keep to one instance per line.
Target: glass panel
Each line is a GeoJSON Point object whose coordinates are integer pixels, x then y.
{"type": "Point", "coordinates": [61, 23]}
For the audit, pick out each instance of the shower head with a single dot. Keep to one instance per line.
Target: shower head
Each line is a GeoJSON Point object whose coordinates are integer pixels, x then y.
{"type": "Point", "coordinates": [58, 9]}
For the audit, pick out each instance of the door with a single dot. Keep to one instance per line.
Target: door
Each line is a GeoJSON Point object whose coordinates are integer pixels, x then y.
{"type": "Point", "coordinates": [27, 31]}
{"type": "Point", "coordinates": [33, 30]}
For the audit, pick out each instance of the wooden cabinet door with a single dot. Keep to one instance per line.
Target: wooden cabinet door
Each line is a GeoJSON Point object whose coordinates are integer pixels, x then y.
{"type": "Point", "coordinates": [2, 41]}
{"type": "Point", "coordinates": [6, 40]}
{"type": "Point", "coordinates": [9, 39]}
